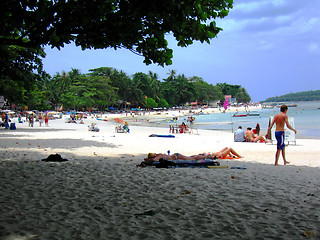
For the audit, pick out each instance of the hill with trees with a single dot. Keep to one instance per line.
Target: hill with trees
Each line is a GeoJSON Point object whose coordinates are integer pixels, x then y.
{"type": "Point", "coordinates": [295, 97]}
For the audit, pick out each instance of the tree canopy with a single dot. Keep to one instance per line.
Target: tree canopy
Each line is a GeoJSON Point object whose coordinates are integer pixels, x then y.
{"type": "Point", "coordinates": [104, 87]}
{"type": "Point", "coordinates": [141, 26]}
{"type": "Point", "coordinates": [137, 25]}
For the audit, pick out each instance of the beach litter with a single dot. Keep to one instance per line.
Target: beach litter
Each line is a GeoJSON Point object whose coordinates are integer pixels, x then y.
{"type": "Point", "coordinates": [309, 234]}
{"type": "Point", "coordinates": [244, 167]}
{"type": "Point", "coordinates": [186, 192]}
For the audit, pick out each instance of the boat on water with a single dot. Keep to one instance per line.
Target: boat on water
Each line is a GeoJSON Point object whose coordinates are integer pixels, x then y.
{"type": "Point", "coordinates": [292, 105]}
{"type": "Point", "coordinates": [288, 104]}
{"type": "Point", "coordinates": [240, 115]}
{"type": "Point", "coordinates": [253, 113]}
{"type": "Point", "coordinates": [278, 104]}
{"type": "Point", "coordinates": [268, 107]}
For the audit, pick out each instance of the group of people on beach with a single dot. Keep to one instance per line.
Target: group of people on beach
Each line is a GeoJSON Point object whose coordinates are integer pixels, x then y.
{"type": "Point", "coordinates": [281, 120]}
{"type": "Point", "coordinates": [39, 118]}
{"type": "Point", "coordinates": [248, 136]}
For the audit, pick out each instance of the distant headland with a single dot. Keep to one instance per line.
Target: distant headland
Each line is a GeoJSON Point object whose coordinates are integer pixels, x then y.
{"type": "Point", "coordinates": [296, 97]}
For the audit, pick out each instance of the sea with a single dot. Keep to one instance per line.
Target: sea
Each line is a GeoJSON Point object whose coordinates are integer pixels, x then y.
{"type": "Point", "coordinates": [306, 119]}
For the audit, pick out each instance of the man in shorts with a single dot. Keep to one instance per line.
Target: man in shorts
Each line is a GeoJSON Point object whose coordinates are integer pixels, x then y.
{"type": "Point", "coordinates": [280, 120]}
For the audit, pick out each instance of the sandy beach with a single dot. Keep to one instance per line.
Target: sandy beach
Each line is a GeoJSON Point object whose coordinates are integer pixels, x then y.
{"type": "Point", "coordinates": [101, 194]}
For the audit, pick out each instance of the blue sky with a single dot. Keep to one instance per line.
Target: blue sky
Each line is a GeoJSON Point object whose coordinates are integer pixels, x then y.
{"type": "Point", "coordinates": [270, 47]}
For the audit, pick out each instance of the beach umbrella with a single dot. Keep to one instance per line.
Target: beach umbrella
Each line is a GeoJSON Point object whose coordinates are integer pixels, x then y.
{"type": "Point", "coordinates": [6, 111]}
{"type": "Point", "coordinates": [119, 120]}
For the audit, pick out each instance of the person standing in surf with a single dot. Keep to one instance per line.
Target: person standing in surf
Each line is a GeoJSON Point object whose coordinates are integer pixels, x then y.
{"type": "Point", "coordinates": [281, 119]}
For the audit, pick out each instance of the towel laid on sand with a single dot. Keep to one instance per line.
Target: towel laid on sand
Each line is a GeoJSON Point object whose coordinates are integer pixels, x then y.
{"type": "Point", "coordinates": [162, 163]}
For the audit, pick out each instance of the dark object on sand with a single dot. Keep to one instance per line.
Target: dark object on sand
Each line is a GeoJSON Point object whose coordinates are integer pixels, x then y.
{"type": "Point", "coordinates": [54, 158]}
{"type": "Point", "coordinates": [165, 163]}
{"type": "Point", "coordinates": [185, 163]}
{"type": "Point", "coordinates": [147, 213]}
{"type": "Point", "coordinates": [164, 136]}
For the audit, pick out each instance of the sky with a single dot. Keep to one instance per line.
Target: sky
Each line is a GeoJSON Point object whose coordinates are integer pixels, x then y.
{"type": "Point", "coordinates": [269, 47]}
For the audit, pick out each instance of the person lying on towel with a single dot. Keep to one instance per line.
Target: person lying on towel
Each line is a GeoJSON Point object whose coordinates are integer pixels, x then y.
{"type": "Point", "coordinates": [223, 153]}
{"type": "Point", "coordinates": [154, 157]}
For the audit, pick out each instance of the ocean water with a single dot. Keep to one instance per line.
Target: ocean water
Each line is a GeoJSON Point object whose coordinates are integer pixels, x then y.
{"type": "Point", "coordinates": [306, 119]}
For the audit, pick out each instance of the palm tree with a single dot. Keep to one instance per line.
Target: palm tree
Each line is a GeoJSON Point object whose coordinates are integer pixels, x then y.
{"type": "Point", "coordinates": [172, 75]}
{"type": "Point", "coordinates": [155, 85]}
{"type": "Point", "coordinates": [184, 89]}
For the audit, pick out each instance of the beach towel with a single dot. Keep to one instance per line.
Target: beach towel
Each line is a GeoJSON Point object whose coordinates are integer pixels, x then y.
{"type": "Point", "coordinates": [162, 163]}
{"type": "Point", "coordinates": [165, 136]}
{"type": "Point", "coordinates": [228, 157]}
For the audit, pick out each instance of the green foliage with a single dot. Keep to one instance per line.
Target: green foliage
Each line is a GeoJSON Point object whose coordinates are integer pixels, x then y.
{"type": "Point", "coordinates": [294, 97]}
{"type": "Point", "coordinates": [163, 103]}
{"type": "Point", "coordinates": [242, 95]}
{"type": "Point", "coordinates": [206, 92]}
{"type": "Point", "coordinates": [19, 69]}
{"type": "Point", "coordinates": [236, 91]}
{"type": "Point", "coordinates": [151, 103]}
{"type": "Point", "coordinates": [104, 87]}
{"type": "Point", "coordinates": [140, 26]}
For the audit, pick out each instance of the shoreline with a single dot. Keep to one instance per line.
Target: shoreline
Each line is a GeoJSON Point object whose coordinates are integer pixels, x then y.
{"type": "Point", "coordinates": [156, 119]}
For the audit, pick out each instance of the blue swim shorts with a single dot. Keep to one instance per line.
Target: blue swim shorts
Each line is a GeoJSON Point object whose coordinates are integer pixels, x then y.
{"type": "Point", "coordinates": [280, 139]}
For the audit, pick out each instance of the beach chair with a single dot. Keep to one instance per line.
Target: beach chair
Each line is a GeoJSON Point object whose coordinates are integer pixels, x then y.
{"type": "Point", "coordinates": [289, 134]}
{"type": "Point", "coordinates": [119, 129]}
{"type": "Point", "coordinates": [93, 127]}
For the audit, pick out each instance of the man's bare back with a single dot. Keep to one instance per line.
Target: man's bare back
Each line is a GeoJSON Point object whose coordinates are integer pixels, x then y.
{"type": "Point", "coordinates": [280, 119]}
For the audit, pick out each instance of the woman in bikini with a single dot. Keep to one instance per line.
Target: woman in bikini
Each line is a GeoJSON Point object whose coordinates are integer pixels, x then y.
{"type": "Point", "coordinates": [225, 152]}
{"type": "Point", "coordinates": [153, 157]}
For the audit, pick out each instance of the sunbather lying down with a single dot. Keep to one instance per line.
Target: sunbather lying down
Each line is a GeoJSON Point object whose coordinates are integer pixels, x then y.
{"type": "Point", "coordinates": [223, 153]}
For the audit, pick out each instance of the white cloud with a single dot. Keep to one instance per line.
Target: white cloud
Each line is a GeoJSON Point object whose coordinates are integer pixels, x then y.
{"type": "Point", "coordinates": [283, 19]}
{"type": "Point", "coordinates": [314, 48]}
{"type": "Point", "coordinates": [248, 7]}
{"type": "Point", "coordinates": [265, 45]}
{"type": "Point", "coordinates": [278, 2]}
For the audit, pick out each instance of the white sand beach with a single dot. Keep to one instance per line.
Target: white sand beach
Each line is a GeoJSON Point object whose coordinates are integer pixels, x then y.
{"type": "Point", "coordinates": [101, 194]}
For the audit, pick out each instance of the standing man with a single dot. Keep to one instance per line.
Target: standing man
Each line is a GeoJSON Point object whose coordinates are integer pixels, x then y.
{"type": "Point", "coordinates": [280, 120]}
